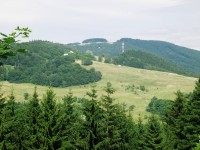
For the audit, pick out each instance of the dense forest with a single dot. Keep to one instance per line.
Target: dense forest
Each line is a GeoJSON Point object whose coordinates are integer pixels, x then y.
{"type": "Point", "coordinates": [96, 123]}
{"type": "Point", "coordinates": [48, 63]}
{"type": "Point", "coordinates": [95, 40]}
{"type": "Point", "coordinates": [139, 59]}
{"type": "Point", "coordinates": [184, 57]}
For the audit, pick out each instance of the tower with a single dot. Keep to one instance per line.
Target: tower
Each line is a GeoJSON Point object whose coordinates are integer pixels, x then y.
{"type": "Point", "coordinates": [122, 47]}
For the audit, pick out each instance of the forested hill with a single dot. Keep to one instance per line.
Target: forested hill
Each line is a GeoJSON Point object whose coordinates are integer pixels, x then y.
{"type": "Point", "coordinates": [181, 56]}
{"type": "Point", "coordinates": [139, 59]}
{"type": "Point", "coordinates": [46, 64]}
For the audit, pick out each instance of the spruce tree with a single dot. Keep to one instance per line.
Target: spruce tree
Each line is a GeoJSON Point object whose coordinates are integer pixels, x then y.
{"type": "Point", "coordinates": [126, 127]}
{"type": "Point", "coordinates": [91, 126]}
{"type": "Point", "coordinates": [49, 124]}
{"type": "Point", "coordinates": [9, 126]}
{"type": "Point", "coordinates": [112, 138]}
{"type": "Point", "coordinates": [70, 125]}
{"type": "Point", "coordinates": [175, 118]}
{"type": "Point", "coordinates": [139, 144]}
{"type": "Point", "coordinates": [192, 125]}
{"type": "Point", "coordinates": [130, 134]}
{"type": "Point", "coordinates": [33, 122]}
{"type": "Point", "coordinates": [154, 134]}
{"type": "Point", "coordinates": [169, 137]}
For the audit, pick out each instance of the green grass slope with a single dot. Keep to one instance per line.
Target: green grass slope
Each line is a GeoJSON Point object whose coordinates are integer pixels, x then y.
{"type": "Point", "coordinates": [159, 84]}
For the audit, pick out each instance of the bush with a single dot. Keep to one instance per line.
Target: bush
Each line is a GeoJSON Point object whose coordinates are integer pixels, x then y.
{"type": "Point", "coordinates": [86, 62]}
{"type": "Point", "coordinates": [158, 106]}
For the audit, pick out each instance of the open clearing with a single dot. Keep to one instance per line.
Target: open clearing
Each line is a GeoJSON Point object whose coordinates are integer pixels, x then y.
{"type": "Point", "coordinates": [159, 84]}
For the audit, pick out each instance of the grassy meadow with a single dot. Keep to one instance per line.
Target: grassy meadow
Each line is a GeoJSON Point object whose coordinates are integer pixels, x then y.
{"type": "Point", "coordinates": [159, 84]}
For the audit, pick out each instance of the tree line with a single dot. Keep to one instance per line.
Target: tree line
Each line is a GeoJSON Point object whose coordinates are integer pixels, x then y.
{"type": "Point", "coordinates": [96, 122]}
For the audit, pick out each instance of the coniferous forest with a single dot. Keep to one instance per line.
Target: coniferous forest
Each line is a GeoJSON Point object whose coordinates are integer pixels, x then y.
{"type": "Point", "coordinates": [96, 122]}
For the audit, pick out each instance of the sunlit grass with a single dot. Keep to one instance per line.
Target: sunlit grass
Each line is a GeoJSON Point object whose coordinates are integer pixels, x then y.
{"type": "Point", "coordinates": [159, 84]}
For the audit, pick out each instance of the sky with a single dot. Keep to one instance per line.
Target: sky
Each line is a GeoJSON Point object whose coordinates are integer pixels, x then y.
{"type": "Point", "coordinates": [68, 21]}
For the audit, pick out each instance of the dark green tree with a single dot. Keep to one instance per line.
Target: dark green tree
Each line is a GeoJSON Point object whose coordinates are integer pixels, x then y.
{"type": "Point", "coordinates": [92, 123]}
{"type": "Point", "coordinates": [154, 134]}
{"type": "Point", "coordinates": [50, 125]}
{"type": "Point", "coordinates": [108, 59]}
{"type": "Point", "coordinates": [192, 123]}
{"type": "Point", "coordinates": [26, 96]}
{"type": "Point", "coordinates": [125, 126]}
{"type": "Point", "coordinates": [2, 104]}
{"type": "Point", "coordinates": [175, 118]}
{"type": "Point", "coordinates": [168, 140]}
{"type": "Point", "coordinates": [10, 130]}
{"type": "Point", "coordinates": [140, 135]}
{"type": "Point", "coordinates": [112, 139]}
{"type": "Point", "coordinates": [86, 61]}
{"type": "Point", "coordinates": [70, 126]}
{"type": "Point", "coordinates": [33, 122]}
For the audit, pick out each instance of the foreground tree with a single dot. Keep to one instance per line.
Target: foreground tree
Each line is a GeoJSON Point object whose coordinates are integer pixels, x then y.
{"type": "Point", "coordinates": [154, 135]}
{"type": "Point", "coordinates": [175, 118]}
{"type": "Point", "coordinates": [50, 124]}
{"type": "Point", "coordinates": [112, 139]}
{"type": "Point", "coordinates": [139, 144]}
{"type": "Point", "coordinates": [70, 126]}
{"type": "Point", "coordinates": [33, 122]}
{"type": "Point", "coordinates": [92, 123]}
{"type": "Point", "coordinates": [10, 137]}
{"type": "Point", "coordinates": [7, 42]}
{"type": "Point", "coordinates": [192, 125]}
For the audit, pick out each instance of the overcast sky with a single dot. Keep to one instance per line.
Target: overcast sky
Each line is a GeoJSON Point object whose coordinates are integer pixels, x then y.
{"type": "Point", "coordinates": [66, 21]}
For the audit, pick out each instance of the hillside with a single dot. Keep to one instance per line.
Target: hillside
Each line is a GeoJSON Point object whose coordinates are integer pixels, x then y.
{"type": "Point", "coordinates": [181, 56]}
{"type": "Point", "coordinates": [49, 64]}
{"type": "Point", "coordinates": [160, 84]}
{"type": "Point", "coordinates": [140, 59]}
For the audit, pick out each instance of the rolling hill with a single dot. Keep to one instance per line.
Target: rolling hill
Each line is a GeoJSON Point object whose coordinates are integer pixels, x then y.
{"type": "Point", "coordinates": [184, 57]}
{"type": "Point", "coordinates": [133, 86]}
{"type": "Point", "coordinates": [49, 64]}
{"type": "Point", "coordinates": [160, 84]}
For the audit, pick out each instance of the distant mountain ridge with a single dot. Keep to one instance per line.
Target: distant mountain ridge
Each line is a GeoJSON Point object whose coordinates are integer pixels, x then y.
{"type": "Point", "coordinates": [186, 58]}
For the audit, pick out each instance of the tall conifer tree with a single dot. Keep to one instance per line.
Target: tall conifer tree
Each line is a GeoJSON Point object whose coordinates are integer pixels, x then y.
{"type": "Point", "coordinates": [10, 134]}
{"type": "Point", "coordinates": [92, 121]}
{"type": "Point", "coordinates": [70, 126]}
{"type": "Point", "coordinates": [49, 117]}
{"type": "Point", "coordinates": [176, 120]}
{"type": "Point", "coordinates": [154, 134]}
{"type": "Point", "coordinates": [112, 138]}
{"type": "Point", "coordinates": [140, 135]}
{"type": "Point", "coordinates": [34, 111]}
{"type": "Point", "coordinates": [192, 125]}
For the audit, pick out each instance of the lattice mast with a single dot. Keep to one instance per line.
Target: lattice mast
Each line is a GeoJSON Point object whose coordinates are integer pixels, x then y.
{"type": "Point", "coordinates": [122, 47]}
